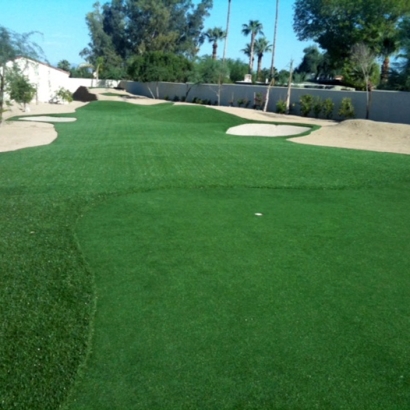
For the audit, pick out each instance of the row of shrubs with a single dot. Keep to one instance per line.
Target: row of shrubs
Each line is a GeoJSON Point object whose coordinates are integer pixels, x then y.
{"type": "Point", "coordinates": [308, 104]}
{"type": "Point", "coordinates": [317, 106]}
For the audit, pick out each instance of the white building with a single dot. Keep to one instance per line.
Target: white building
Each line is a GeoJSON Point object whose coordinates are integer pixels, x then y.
{"type": "Point", "coordinates": [45, 78]}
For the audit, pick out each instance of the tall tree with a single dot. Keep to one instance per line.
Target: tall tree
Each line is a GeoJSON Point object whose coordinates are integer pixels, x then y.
{"type": "Point", "coordinates": [14, 45]}
{"type": "Point", "coordinates": [275, 32]}
{"type": "Point", "coordinates": [262, 46]}
{"type": "Point", "coordinates": [337, 24]}
{"type": "Point", "coordinates": [254, 27]}
{"type": "Point", "coordinates": [228, 18]}
{"type": "Point", "coordinates": [272, 65]}
{"type": "Point", "coordinates": [215, 35]}
{"type": "Point", "coordinates": [311, 61]}
{"type": "Point", "coordinates": [122, 28]}
{"type": "Point", "coordinates": [64, 65]}
{"type": "Point", "coordinates": [362, 57]}
{"type": "Point", "coordinates": [101, 44]}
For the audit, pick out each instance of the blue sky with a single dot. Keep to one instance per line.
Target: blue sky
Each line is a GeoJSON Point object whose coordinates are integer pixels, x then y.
{"type": "Point", "coordinates": [65, 33]}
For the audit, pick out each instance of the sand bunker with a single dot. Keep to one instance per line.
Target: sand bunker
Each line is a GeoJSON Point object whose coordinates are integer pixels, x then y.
{"type": "Point", "coordinates": [363, 135]}
{"type": "Point", "coordinates": [266, 130]}
{"type": "Point", "coordinates": [43, 118]}
{"type": "Point", "coordinates": [17, 135]}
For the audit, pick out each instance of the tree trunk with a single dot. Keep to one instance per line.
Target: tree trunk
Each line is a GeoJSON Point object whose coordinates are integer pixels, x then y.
{"type": "Point", "coordinates": [251, 56]}
{"type": "Point", "coordinates": [289, 87]}
{"type": "Point", "coordinates": [272, 66]}
{"type": "Point", "coordinates": [227, 29]}
{"type": "Point", "coordinates": [385, 70]}
{"type": "Point", "coordinates": [260, 56]}
{"type": "Point", "coordinates": [214, 50]}
{"type": "Point", "coordinates": [1, 94]}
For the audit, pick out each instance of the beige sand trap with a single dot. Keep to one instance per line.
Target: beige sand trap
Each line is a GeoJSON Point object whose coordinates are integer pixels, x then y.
{"type": "Point", "coordinates": [255, 115]}
{"type": "Point", "coordinates": [266, 130]}
{"type": "Point", "coordinates": [124, 96]}
{"type": "Point", "coordinates": [17, 135]}
{"type": "Point", "coordinates": [352, 134]}
{"type": "Point", "coordinates": [363, 135]}
{"type": "Point", "coordinates": [44, 118]}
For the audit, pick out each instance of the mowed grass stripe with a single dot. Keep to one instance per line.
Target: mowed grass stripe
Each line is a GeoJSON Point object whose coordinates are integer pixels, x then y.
{"type": "Point", "coordinates": [46, 299]}
{"type": "Point", "coordinates": [203, 304]}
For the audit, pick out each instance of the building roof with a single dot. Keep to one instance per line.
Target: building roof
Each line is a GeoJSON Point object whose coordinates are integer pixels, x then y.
{"type": "Point", "coordinates": [42, 63]}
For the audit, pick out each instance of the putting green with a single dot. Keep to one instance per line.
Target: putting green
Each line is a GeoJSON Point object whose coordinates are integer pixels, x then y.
{"type": "Point", "coordinates": [204, 304]}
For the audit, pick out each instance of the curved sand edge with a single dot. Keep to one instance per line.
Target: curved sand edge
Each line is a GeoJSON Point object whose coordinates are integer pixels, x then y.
{"type": "Point", "coordinates": [351, 134]}
{"type": "Point", "coordinates": [266, 130]}
{"type": "Point", "coordinates": [15, 135]}
{"type": "Point", "coordinates": [362, 135]}
{"type": "Point", "coordinates": [18, 135]}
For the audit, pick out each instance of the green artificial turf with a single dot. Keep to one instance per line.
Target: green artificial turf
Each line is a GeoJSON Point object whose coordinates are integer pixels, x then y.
{"type": "Point", "coordinates": [163, 202]}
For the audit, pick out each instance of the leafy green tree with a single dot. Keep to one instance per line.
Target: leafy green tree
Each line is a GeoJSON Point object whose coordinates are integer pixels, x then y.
{"type": "Point", "coordinates": [253, 28]}
{"type": "Point", "coordinates": [337, 24]}
{"type": "Point", "coordinates": [158, 66]}
{"type": "Point", "coordinates": [262, 46]}
{"type": "Point", "coordinates": [237, 69]}
{"type": "Point", "coordinates": [13, 45]}
{"type": "Point", "coordinates": [311, 61]}
{"type": "Point", "coordinates": [214, 35]}
{"type": "Point", "coordinates": [64, 65]}
{"type": "Point", "coordinates": [18, 87]}
{"type": "Point", "coordinates": [80, 72]}
{"type": "Point", "coordinates": [101, 44]}
{"type": "Point", "coordinates": [362, 64]}
{"type": "Point", "coordinates": [120, 29]}
{"type": "Point", "coordinates": [399, 75]}
{"type": "Point", "coordinates": [210, 71]}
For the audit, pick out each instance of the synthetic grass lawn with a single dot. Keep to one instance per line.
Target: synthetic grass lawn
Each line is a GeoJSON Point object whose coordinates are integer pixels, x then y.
{"type": "Point", "coordinates": [197, 190]}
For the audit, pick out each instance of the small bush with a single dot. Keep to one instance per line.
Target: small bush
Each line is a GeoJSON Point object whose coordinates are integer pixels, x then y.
{"type": "Point", "coordinates": [346, 109]}
{"type": "Point", "coordinates": [328, 108]}
{"type": "Point", "coordinates": [259, 101]}
{"type": "Point", "coordinates": [306, 104]}
{"type": "Point", "coordinates": [317, 106]}
{"type": "Point", "coordinates": [281, 107]}
{"type": "Point", "coordinates": [64, 94]}
{"type": "Point", "coordinates": [241, 102]}
{"type": "Point", "coordinates": [183, 98]}
{"type": "Point", "coordinates": [176, 99]}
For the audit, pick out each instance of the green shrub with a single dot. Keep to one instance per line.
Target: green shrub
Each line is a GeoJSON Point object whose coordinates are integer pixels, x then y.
{"type": "Point", "coordinates": [306, 104]}
{"type": "Point", "coordinates": [346, 109]}
{"type": "Point", "coordinates": [176, 99]}
{"type": "Point", "coordinates": [328, 108]}
{"type": "Point", "coordinates": [259, 101]}
{"type": "Point", "coordinates": [317, 106]}
{"type": "Point", "coordinates": [64, 94]}
{"type": "Point", "coordinates": [281, 107]}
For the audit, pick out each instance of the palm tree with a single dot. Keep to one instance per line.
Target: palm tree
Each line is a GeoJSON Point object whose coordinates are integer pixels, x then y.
{"type": "Point", "coordinates": [262, 46]}
{"type": "Point", "coordinates": [275, 31]}
{"type": "Point", "coordinates": [390, 46]}
{"type": "Point", "coordinates": [227, 29]}
{"type": "Point", "coordinates": [253, 28]}
{"type": "Point", "coordinates": [272, 65]}
{"type": "Point", "coordinates": [214, 35]}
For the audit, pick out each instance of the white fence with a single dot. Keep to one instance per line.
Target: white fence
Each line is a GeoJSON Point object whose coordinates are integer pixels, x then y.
{"type": "Point", "coordinates": [386, 106]}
